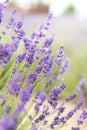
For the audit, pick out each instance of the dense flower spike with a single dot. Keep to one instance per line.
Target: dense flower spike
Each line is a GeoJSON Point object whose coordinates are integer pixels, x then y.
{"type": "Point", "coordinates": [75, 128]}
{"type": "Point", "coordinates": [26, 93]}
{"type": "Point", "coordinates": [48, 42]}
{"type": "Point", "coordinates": [64, 66]}
{"type": "Point", "coordinates": [32, 77]}
{"type": "Point", "coordinates": [55, 94]}
{"type": "Point", "coordinates": [83, 116]}
{"type": "Point", "coordinates": [41, 96]}
{"type": "Point", "coordinates": [27, 76]}
{"type": "Point", "coordinates": [71, 97]}
{"type": "Point", "coordinates": [60, 55]}
{"type": "Point", "coordinates": [81, 84]}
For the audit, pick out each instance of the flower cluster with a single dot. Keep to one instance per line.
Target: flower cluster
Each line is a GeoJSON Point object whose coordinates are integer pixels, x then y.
{"type": "Point", "coordinates": [26, 78]}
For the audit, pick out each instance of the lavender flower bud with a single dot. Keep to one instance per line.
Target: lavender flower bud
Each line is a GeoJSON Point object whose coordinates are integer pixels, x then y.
{"type": "Point", "coordinates": [8, 109]}
{"type": "Point", "coordinates": [75, 128]}
{"type": "Point", "coordinates": [48, 42]}
{"type": "Point", "coordinates": [40, 99]}
{"type": "Point", "coordinates": [38, 69]}
{"type": "Point", "coordinates": [60, 55]}
{"type": "Point", "coordinates": [26, 93]}
{"type": "Point", "coordinates": [32, 77]}
{"type": "Point", "coordinates": [72, 96]}
{"type": "Point", "coordinates": [83, 116]}
{"type": "Point", "coordinates": [81, 84]}
{"type": "Point", "coordinates": [64, 66]}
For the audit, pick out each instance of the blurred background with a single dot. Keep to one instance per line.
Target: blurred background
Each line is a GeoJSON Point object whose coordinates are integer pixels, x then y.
{"type": "Point", "coordinates": [69, 25]}
{"type": "Point", "coordinates": [70, 16]}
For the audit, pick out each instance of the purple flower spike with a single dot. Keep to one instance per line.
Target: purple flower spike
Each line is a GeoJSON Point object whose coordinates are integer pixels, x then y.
{"type": "Point", "coordinates": [61, 110]}
{"type": "Point", "coordinates": [81, 84]}
{"type": "Point", "coordinates": [26, 93]}
{"type": "Point", "coordinates": [75, 128]}
{"type": "Point", "coordinates": [79, 104]}
{"type": "Point", "coordinates": [19, 24]}
{"type": "Point", "coordinates": [20, 34]}
{"type": "Point", "coordinates": [8, 109]}
{"type": "Point", "coordinates": [55, 94]}
{"type": "Point", "coordinates": [8, 122]}
{"type": "Point", "coordinates": [15, 88]}
{"type": "Point", "coordinates": [48, 42]}
{"type": "Point", "coordinates": [83, 116]}
{"type": "Point", "coordinates": [64, 66]}
{"type": "Point", "coordinates": [32, 77]}
{"type": "Point", "coordinates": [38, 69]}
{"type": "Point", "coordinates": [41, 96]}
{"type": "Point", "coordinates": [72, 96]}
{"type": "Point", "coordinates": [60, 55]}
{"type": "Point", "coordinates": [19, 108]}
{"type": "Point", "coordinates": [70, 114]}
{"type": "Point", "coordinates": [27, 43]}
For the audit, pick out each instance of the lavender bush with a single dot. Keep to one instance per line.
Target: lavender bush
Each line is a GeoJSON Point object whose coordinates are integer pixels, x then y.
{"type": "Point", "coordinates": [28, 98]}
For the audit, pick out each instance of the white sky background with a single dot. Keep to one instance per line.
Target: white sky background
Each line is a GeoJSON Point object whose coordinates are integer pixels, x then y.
{"type": "Point", "coordinates": [57, 6]}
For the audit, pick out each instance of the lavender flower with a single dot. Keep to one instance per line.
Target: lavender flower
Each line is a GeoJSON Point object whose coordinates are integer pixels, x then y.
{"type": "Point", "coordinates": [81, 84]}
{"type": "Point", "coordinates": [71, 97]}
{"type": "Point", "coordinates": [55, 94]}
{"type": "Point", "coordinates": [48, 42]}
{"type": "Point", "coordinates": [32, 77]}
{"type": "Point", "coordinates": [83, 116]}
{"type": "Point", "coordinates": [64, 66]}
{"type": "Point", "coordinates": [60, 55]}
{"type": "Point", "coordinates": [75, 128]}
{"type": "Point", "coordinates": [40, 99]}
{"type": "Point", "coordinates": [26, 93]}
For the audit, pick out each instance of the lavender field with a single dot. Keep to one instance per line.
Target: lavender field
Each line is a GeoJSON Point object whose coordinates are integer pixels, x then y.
{"type": "Point", "coordinates": [43, 80]}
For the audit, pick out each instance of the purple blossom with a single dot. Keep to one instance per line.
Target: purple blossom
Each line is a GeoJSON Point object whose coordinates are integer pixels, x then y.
{"type": "Point", "coordinates": [48, 42]}
{"type": "Point", "coordinates": [21, 57]}
{"type": "Point", "coordinates": [20, 34]}
{"type": "Point", "coordinates": [19, 24]}
{"type": "Point", "coordinates": [61, 110]}
{"type": "Point", "coordinates": [75, 128]}
{"type": "Point", "coordinates": [81, 84]}
{"type": "Point", "coordinates": [46, 63]}
{"type": "Point", "coordinates": [70, 114]}
{"type": "Point", "coordinates": [38, 69]}
{"type": "Point", "coordinates": [41, 96]}
{"type": "Point", "coordinates": [64, 66]}
{"type": "Point", "coordinates": [60, 55]}
{"type": "Point", "coordinates": [72, 96]}
{"type": "Point", "coordinates": [27, 43]}
{"type": "Point", "coordinates": [19, 108]}
{"type": "Point", "coordinates": [8, 108]}
{"type": "Point", "coordinates": [25, 96]}
{"type": "Point", "coordinates": [11, 22]}
{"type": "Point", "coordinates": [8, 122]}
{"type": "Point", "coordinates": [55, 94]}
{"type": "Point", "coordinates": [32, 77]}
{"type": "Point", "coordinates": [5, 54]}
{"type": "Point", "coordinates": [29, 60]}
{"type": "Point", "coordinates": [14, 89]}
{"type": "Point", "coordinates": [79, 104]}
{"type": "Point", "coordinates": [83, 116]}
